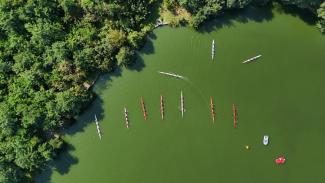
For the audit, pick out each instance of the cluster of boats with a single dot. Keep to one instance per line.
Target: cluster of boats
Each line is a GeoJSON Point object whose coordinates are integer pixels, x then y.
{"type": "Point", "coordinates": [162, 112]}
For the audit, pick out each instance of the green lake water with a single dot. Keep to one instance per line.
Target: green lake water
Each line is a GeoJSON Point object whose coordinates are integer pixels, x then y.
{"type": "Point", "coordinates": [282, 94]}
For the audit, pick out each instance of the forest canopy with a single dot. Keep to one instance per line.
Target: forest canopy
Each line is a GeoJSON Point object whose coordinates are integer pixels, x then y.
{"type": "Point", "coordinates": [48, 50]}
{"type": "Point", "coordinates": [51, 49]}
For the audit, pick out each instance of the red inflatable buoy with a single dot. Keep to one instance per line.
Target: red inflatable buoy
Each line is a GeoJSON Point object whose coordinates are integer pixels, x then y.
{"type": "Point", "coordinates": [280, 160]}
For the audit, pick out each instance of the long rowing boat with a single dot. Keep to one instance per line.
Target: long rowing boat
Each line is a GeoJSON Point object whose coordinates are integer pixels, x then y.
{"type": "Point", "coordinates": [143, 108]}
{"type": "Point", "coordinates": [182, 104]}
{"type": "Point", "coordinates": [98, 129]}
{"type": "Point", "coordinates": [171, 74]}
{"type": "Point", "coordinates": [252, 59]}
{"type": "Point", "coordinates": [162, 112]}
{"type": "Point", "coordinates": [213, 115]}
{"type": "Point", "coordinates": [126, 118]}
{"type": "Point", "coordinates": [234, 111]}
{"type": "Point", "coordinates": [212, 49]}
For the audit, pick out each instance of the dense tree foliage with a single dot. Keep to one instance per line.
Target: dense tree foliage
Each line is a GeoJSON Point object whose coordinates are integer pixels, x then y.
{"type": "Point", "coordinates": [321, 15]}
{"type": "Point", "coordinates": [48, 50]}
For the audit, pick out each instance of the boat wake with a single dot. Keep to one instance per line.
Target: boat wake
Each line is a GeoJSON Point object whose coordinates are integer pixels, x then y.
{"type": "Point", "coordinates": [198, 91]}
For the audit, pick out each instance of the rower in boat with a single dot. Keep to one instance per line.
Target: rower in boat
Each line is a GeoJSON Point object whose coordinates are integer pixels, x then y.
{"type": "Point", "coordinates": [126, 118]}
{"type": "Point", "coordinates": [212, 109]}
{"type": "Point", "coordinates": [162, 107]}
{"type": "Point", "coordinates": [98, 129]}
{"type": "Point", "coordinates": [212, 49]}
{"type": "Point", "coordinates": [234, 111]}
{"type": "Point", "coordinates": [171, 74]}
{"type": "Point", "coordinates": [182, 104]}
{"type": "Point", "coordinates": [251, 59]}
{"type": "Point", "coordinates": [143, 108]}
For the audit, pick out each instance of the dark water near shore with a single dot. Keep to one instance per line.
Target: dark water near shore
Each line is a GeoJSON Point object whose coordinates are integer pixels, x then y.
{"type": "Point", "coordinates": [282, 94]}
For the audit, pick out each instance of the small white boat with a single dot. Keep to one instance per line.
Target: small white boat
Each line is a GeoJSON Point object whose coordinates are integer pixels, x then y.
{"type": "Point", "coordinates": [251, 59]}
{"type": "Point", "coordinates": [212, 49]}
{"type": "Point", "coordinates": [266, 140]}
{"type": "Point", "coordinates": [98, 128]}
{"type": "Point", "coordinates": [172, 75]}
{"type": "Point", "coordinates": [126, 118]}
{"type": "Point", "coordinates": [182, 104]}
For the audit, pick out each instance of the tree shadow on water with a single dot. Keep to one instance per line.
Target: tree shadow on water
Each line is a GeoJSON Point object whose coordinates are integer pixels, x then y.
{"type": "Point", "coordinates": [61, 164]}
{"type": "Point", "coordinates": [147, 49]}
{"type": "Point", "coordinates": [304, 14]}
{"type": "Point", "coordinates": [138, 64]}
{"type": "Point", "coordinates": [252, 13]}
{"type": "Point", "coordinates": [257, 14]}
{"type": "Point", "coordinates": [87, 117]}
{"type": "Point", "coordinates": [103, 83]}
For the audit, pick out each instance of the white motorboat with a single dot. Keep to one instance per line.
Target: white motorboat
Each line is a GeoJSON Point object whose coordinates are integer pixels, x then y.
{"type": "Point", "coordinates": [266, 140]}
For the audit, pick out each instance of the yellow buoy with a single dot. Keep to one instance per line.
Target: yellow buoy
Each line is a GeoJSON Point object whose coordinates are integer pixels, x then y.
{"type": "Point", "coordinates": [247, 147]}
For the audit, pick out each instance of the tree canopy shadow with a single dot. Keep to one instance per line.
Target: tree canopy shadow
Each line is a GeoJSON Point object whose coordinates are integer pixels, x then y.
{"type": "Point", "coordinates": [148, 48]}
{"type": "Point", "coordinates": [105, 80]}
{"type": "Point", "coordinates": [304, 14]}
{"type": "Point", "coordinates": [256, 14]}
{"type": "Point", "coordinates": [61, 165]}
{"type": "Point", "coordinates": [138, 64]}
{"type": "Point", "coordinates": [252, 13]}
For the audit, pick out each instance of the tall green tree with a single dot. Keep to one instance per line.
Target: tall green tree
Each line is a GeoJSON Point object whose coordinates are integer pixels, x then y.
{"type": "Point", "coordinates": [321, 15]}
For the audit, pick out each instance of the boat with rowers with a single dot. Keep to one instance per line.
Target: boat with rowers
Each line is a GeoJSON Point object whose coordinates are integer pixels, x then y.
{"type": "Point", "coordinates": [98, 128]}
{"type": "Point", "coordinates": [251, 59]}
{"type": "Point", "coordinates": [212, 109]}
{"type": "Point", "coordinates": [182, 104]}
{"type": "Point", "coordinates": [212, 49]}
{"type": "Point", "coordinates": [126, 118]}
{"type": "Point", "coordinates": [162, 107]}
{"type": "Point", "coordinates": [143, 108]}
{"type": "Point", "coordinates": [234, 112]}
{"type": "Point", "coordinates": [171, 74]}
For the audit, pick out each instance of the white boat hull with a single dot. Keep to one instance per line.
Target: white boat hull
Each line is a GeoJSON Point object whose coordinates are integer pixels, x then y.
{"type": "Point", "coordinates": [266, 140]}
{"type": "Point", "coordinates": [212, 49]}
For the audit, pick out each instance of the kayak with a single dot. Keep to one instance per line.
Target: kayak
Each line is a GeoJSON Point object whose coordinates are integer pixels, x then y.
{"type": "Point", "coordinates": [280, 160]}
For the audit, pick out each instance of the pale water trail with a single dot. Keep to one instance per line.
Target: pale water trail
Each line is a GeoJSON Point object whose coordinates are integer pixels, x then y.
{"type": "Point", "coordinates": [192, 84]}
{"type": "Point", "coordinates": [198, 91]}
